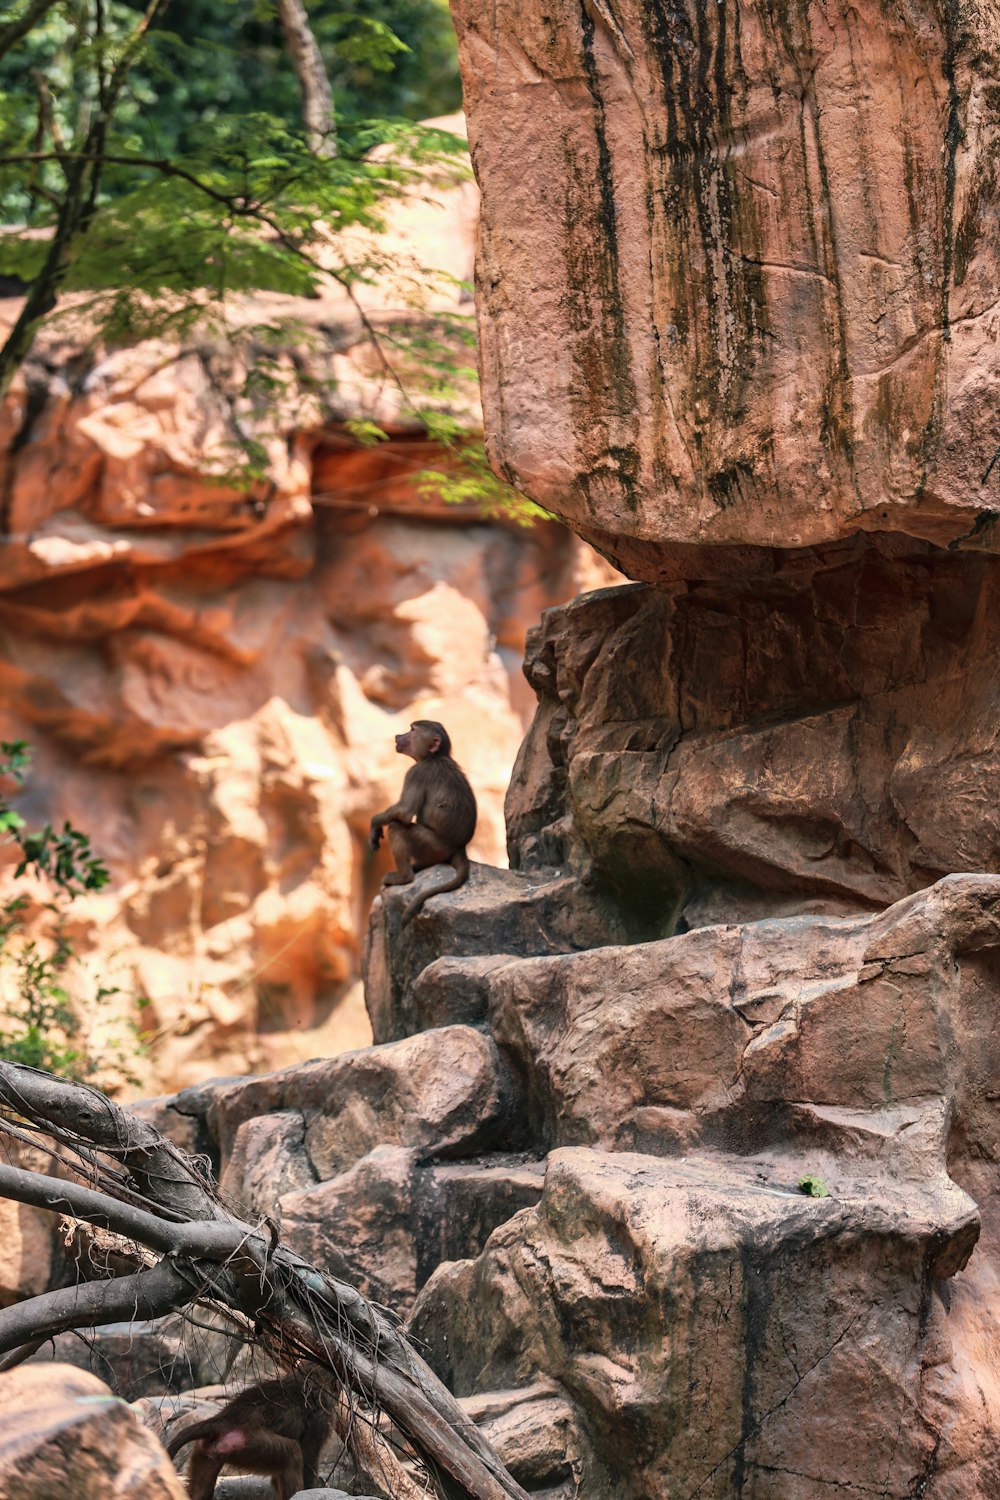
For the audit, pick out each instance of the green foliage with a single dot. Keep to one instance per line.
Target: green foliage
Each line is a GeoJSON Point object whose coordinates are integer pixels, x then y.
{"type": "Point", "coordinates": [471, 481]}
{"type": "Point", "coordinates": [41, 1025]}
{"type": "Point", "coordinates": [155, 171]}
{"type": "Point", "coordinates": [813, 1187]}
{"type": "Point", "coordinates": [172, 165]}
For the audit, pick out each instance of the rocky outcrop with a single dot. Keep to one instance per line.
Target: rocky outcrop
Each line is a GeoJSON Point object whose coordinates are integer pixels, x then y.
{"type": "Point", "coordinates": [662, 1209]}
{"type": "Point", "coordinates": [211, 672]}
{"type": "Point", "coordinates": [62, 1432]}
{"type": "Point", "coordinates": [821, 738]}
{"type": "Point", "coordinates": [680, 1147]}
{"type": "Point", "coordinates": [757, 248]}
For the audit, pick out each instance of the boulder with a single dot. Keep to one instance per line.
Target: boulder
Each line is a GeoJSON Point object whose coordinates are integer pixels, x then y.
{"type": "Point", "coordinates": [737, 268]}
{"type": "Point", "coordinates": [821, 739]}
{"type": "Point", "coordinates": [63, 1433]}
{"type": "Point", "coordinates": [711, 1325]}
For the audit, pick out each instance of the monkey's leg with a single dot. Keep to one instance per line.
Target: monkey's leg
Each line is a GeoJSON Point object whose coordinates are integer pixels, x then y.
{"type": "Point", "coordinates": [399, 844]}
{"type": "Point", "coordinates": [288, 1477]}
{"type": "Point", "coordinates": [414, 847]}
{"type": "Point", "coordinates": [203, 1471]}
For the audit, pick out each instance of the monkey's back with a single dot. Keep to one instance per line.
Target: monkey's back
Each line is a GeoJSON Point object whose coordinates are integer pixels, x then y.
{"type": "Point", "coordinates": [449, 803]}
{"type": "Point", "coordinates": [283, 1405]}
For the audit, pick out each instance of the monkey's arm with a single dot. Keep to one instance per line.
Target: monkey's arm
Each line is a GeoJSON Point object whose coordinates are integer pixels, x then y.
{"type": "Point", "coordinates": [406, 810]}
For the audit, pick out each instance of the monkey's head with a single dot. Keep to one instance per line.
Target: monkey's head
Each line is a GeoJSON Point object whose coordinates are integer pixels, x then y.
{"type": "Point", "coordinates": [425, 738]}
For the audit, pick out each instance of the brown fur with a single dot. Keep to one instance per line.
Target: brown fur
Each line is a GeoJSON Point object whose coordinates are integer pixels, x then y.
{"type": "Point", "coordinates": [434, 818]}
{"type": "Point", "coordinates": [276, 1429]}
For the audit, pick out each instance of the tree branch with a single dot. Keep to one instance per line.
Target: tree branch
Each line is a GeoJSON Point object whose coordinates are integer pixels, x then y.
{"type": "Point", "coordinates": [148, 1294]}
{"type": "Point", "coordinates": [207, 1240]}
{"type": "Point", "coordinates": [307, 60]}
{"type": "Point", "coordinates": [12, 33]}
{"type": "Point", "coordinates": [83, 179]}
{"type": "Point", "coordinates": [218, 1258]}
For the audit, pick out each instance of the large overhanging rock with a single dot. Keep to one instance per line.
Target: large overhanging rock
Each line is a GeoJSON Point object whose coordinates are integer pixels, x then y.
{"type": "Point", "coordinates": [824, 737]}
{"type": "Point", "coordinates": [738, 265]}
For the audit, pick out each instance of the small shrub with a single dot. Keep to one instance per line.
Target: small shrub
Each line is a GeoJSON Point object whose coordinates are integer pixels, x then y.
{"type": "Point", "coordinates": [43, 1024]}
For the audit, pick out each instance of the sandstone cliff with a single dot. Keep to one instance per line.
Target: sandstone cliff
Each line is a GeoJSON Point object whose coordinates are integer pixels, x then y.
{"type": "Point", "coordinates": [211, 678]}
{"type": "Point", "coordinates": [679, 1145]}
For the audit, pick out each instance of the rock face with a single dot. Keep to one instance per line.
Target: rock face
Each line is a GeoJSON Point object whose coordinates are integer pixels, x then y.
{"type": "Point", "coordinates": [63, 1433]}
{"type": "Point", "coordinates": [211, 677]}
{"type": "Point", "coordinates": [680, 1145]}
{"type": "Point", "coordinates": [738, 265]}
{"type": "Point", "coordinates": [823, 737]}
{"type": "Point", "coordinates": [589, 1187]}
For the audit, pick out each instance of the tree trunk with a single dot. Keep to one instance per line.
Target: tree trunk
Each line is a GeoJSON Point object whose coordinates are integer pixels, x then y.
{"type": "Point", "coordinates": [307, 60]}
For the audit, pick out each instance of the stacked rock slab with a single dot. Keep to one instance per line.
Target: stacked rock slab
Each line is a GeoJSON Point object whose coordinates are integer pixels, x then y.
{"type": "Point", "coordinates": [737, 291]}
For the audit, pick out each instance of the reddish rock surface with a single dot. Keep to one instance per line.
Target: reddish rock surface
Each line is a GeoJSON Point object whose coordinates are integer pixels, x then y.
{"type": "Point", "coordinates": [62, 1433]}
{"type": "Point", "coordinates": [821, 737]}
{"type": "Point", "coordinates": [751, 944]}
{"type": "Point", "coordinates": [757, 250]}
{"type": "Point", "coordinates": [212, 679]}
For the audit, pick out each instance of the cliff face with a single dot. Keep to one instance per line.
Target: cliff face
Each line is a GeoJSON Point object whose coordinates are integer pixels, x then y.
{"type": "Point", "coordinates": [680, 1145]}
{"type": "Point", "coordinates": [738, 265]}
{"type": "Point", "coordinates": [211, 679]}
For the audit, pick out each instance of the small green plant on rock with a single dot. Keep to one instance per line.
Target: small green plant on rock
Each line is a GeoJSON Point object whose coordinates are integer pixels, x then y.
{"type": "Point", "coordinates": [813, 1187]}
{"type": "Point", "coordinates": [42, 1024]}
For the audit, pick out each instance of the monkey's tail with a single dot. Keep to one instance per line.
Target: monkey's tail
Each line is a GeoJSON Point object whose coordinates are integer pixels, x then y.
{"type": "Point", "coordinates": [460, 864]}
{"type": "Point", "coordinates": [208, 1428]}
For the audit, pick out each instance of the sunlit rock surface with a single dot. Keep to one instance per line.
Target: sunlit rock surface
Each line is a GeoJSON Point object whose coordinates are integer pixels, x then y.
{"type": "Point", "coordinates": [212, 677]}
{"type": "Point", "coordinates": [63, 1433]}
{"type": "Point", "coordinates": [738, 265]}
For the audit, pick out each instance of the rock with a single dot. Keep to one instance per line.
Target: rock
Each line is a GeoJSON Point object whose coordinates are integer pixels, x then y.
{"type": "Point", "coordinates": [496, 913]}
{"type": "Point", "coordinates": [534, 1432]}
{"type": "Point", "coordinates": [268, 1159]}
{"type": "Point", "coordinates": [705, 1319]}
{"type": "Point", "coordinates": [757, 253]}
{"type": "Point", "coordinates": [359, 1226]}
{"type": "Point", "coordinates": [802, 742]}
{"type": "Point", "coordinates": [710, 1035]}
{"type": "Point", "coordinates": [134, 1359]}
{"type": "Point", "coordinates": [63, 1433]}
{"type": "Point", "coordinates": [446, 1095]}
{"type": "Point", "coordinates": [27, 1262]}
{"type": "Point", "coordinates": [691, 1286]}
{"type": "Point", "coordinates": [329, 1495]}
{"type": "Point", "coordinates": [211, 676]}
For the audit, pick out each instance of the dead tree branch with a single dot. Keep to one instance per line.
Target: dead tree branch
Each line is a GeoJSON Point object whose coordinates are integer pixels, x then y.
{"type": "Point", "coordinates": [138, 1184]}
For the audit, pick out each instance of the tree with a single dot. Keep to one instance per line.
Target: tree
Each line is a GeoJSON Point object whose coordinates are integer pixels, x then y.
{"type": "Point", "coordinates": [119, 1174]}
{"type": "Point", "coordinates": [151, 226]}
{"type": "Point", "coordinates": [41, 1023]}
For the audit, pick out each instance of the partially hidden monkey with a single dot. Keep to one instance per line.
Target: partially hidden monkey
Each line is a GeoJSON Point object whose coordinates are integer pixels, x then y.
{"type": "Point", "coordinates": [434, 818]}
{"type": "Point", "coordinates": [276, 1429]}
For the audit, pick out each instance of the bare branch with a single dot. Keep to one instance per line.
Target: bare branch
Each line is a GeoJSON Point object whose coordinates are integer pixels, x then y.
{"type": "Point", "coordinates": [147, 1294]}
{"type": "Point", "coordinates": [210, 1241]}
{"type": "Point", "coordinates": [217, 1259]}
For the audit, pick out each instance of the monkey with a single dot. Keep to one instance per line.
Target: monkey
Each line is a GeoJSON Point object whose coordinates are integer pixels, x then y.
{"type": "Point", "coordinates": [434, 818]}
{"type": "Point", "coordinates": [276, 1428]}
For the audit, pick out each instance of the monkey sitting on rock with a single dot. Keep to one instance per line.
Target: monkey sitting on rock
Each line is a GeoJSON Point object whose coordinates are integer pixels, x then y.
{"type": "Point", "coordinates": [276, 1429]}
{"type": "Point", "coordinates": [434, 818]}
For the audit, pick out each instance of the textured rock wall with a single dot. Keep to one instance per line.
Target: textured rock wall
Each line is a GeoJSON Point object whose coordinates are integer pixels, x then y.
{"type": "Point", "coordinates": [737, 277]}
{"type": "Point", "coordinates": [211, 686]}
{"type": "Point", "coordinates": [739, 264]}
{"type": "Point", "coordinates": [822, 737]}
{"type": "Point", "coordinates": [211, 676]}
